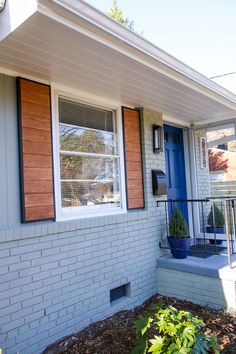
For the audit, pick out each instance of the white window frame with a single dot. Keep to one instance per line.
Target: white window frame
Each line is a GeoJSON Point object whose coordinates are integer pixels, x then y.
{"type": "Point", "coordinates": [93, 211]}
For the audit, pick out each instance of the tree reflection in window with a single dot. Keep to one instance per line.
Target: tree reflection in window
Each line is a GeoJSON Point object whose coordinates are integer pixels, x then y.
{"type": "Point", "coordinates": [89, 163]}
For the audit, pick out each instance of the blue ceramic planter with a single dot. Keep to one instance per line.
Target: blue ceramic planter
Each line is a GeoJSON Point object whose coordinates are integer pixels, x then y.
{"type": "Point", "coordinates": [217, 230]}
{"type": "Point", "coordinates": [179, 246]}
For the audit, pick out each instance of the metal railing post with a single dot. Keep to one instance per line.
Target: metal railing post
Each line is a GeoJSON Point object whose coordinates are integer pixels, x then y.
{"type": "Point", "coordinates": [203, 225]}
{"type": "Point", "coordinates": [227, 235]}
{"type": "Point", "coordinates": [214, 223]}
{"type": "Point", "coordinates": [234, 227]}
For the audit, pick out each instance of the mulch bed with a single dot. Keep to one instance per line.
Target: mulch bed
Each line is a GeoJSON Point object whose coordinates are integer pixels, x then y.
{"type": "Point", "coordinates": [115, 335]}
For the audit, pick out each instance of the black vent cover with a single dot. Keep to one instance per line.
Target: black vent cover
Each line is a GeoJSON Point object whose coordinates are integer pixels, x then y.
{"type": "Point", "coordinates": [119, 292]}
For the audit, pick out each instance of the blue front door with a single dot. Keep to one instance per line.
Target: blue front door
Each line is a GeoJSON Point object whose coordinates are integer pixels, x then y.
{"type": "Point", "coordinates": [175, 168]}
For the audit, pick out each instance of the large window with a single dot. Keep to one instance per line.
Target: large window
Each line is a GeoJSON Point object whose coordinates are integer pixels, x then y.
{"type": "Point", "coordinates": [89, 157]}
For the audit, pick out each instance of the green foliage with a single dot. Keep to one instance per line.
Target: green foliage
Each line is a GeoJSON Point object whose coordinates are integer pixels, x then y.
{"type": "Point", "coordinates": [177, 226]}
{"type": "Point", "coordinates": [218, 217]}
{"type": "Point", "coordinates": [116, 13]}
{"type": "Point", "coordinates": [142, 324]}
{"type": "Point", "coordinates": [176, 332]}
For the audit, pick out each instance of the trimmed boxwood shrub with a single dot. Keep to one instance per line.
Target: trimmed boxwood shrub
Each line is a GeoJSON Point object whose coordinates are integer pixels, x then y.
{"type": "Point", "coordinates": [219, 217]}
{"type": "Point", "coordinates": [178, 227]}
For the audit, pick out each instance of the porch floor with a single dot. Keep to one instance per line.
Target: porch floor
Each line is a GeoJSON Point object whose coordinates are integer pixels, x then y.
{"type": "Point", "coordinates": [215, 266]}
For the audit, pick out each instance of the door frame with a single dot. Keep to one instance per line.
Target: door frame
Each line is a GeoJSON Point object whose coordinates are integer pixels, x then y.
{"type": "Point", "coordinates": [190, 171]}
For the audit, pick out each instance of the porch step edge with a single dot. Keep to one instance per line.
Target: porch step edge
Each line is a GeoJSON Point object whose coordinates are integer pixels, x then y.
{"type": "Point", "coordinates": [215, 266]}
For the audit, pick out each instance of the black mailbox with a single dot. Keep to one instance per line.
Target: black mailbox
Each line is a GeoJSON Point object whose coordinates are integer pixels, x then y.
{"type": "Point", "coordinates": [159, 182]}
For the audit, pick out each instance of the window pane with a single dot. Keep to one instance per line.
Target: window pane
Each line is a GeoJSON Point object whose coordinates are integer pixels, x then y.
{"type": "Point", "coordinates": [75, 194]}
{"type": "Point", "coordinates": [84, 131]}
{"type": "Point", "coordinates": [76, 113]}
{"type": "Point", "coordinates": [83, 140]}
{"type": "Point", "coordinates": [86, 167]}
{"type": "Point", "coordinates": [222, 160]}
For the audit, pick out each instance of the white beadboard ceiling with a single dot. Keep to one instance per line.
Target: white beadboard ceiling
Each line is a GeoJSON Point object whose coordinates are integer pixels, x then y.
{"type": "Point", "coordinates": [49, 50]}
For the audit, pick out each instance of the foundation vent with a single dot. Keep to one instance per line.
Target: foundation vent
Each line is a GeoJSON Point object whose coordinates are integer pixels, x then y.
{"type": "Point", "coordinates": [119, 292]}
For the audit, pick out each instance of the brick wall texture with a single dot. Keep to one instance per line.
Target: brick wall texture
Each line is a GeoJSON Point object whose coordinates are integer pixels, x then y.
{"type": "Point", "coordinates": [203, 177]}
{"type": "Point", "coordinates": [56, 277]}
{"type": "Point", "coordinates": [208, 291]}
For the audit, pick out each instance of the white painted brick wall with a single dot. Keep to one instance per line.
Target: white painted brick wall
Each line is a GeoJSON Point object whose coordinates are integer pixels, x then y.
{"type": "Point", "coordinates": [202, 290]}
{"type": "Point", "coordinates": [55, 277]}
{"type": "Point", "coordinates": [203, 179]}
{"type": "Point", "coordinates": [203, 176]}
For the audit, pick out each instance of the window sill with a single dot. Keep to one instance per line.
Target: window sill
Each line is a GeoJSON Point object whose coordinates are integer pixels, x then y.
{"type": "Point", "coordinates": [80, 214]}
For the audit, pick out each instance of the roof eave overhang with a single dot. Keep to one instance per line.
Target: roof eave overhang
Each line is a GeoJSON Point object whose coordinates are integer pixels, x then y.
{"type": "Point", "coordinates": [120, 38]}
{"type": "Point", "coordinates": [82, 18]}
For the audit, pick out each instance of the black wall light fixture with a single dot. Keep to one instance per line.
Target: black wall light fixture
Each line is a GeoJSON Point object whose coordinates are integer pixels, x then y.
{"type": "Point", "coordinates": [157, 138]}
{"type": "Point", "coordinates": [2, 5]}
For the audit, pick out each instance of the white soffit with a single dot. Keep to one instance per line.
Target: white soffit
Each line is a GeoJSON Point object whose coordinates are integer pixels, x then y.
{"type": "Point", "coordinates": [63, 47]}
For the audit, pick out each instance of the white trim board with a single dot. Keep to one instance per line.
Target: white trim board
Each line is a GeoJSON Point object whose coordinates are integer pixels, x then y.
{"type": "Point", "coordinates": [187, 144]}
{"type": "Point", "coordinates": [175, 121]}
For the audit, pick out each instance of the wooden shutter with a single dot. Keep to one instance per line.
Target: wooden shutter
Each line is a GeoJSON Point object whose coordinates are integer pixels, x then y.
{"type": "Point", "coordinates": [133, 158]}
{"type": "Point", "coordinates": [35, 138]}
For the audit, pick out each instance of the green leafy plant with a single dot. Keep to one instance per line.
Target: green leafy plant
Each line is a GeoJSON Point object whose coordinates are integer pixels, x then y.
{"type": "Point", "coordinates": [218, 217]}
{"type": "Point", "coordinates": [172, 332]}
{"type": "Point", "coordinates": [116, 13]}
{"type": "Point", "coordinates": [177, 226]}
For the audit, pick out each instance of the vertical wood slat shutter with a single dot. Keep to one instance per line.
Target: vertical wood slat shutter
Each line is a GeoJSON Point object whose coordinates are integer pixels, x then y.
{"type": "Point", "coordinates": [36, 159]}
{"type": "Point", "coordinates": [133, 158]}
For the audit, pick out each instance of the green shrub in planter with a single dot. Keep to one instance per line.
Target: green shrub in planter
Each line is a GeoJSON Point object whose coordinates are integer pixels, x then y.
{"type": "Point", "coordinates": [177, 226]}
{"type": "Point", "coordinates": [216, 227]}
{"type": "Point", "coordinates": [219, 217]}
{"type": "Point", "coordinates": [174, 332]}
{"type": "Point", "coordinates": [178, 238]}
